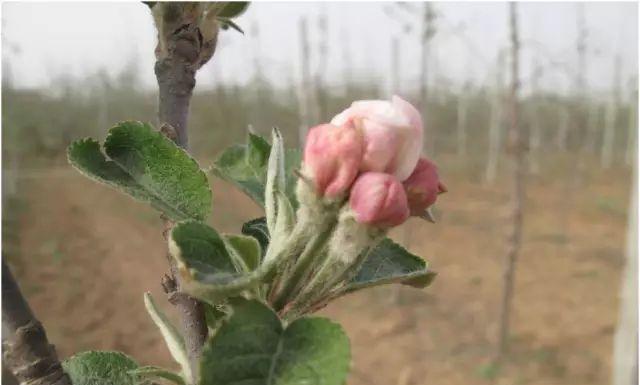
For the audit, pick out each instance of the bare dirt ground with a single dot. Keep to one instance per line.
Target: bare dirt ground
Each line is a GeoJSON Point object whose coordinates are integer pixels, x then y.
{"type": "Point", "coordinates": [85, 254]}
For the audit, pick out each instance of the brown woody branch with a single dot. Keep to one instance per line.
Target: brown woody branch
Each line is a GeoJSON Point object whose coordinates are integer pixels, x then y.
{"type": "Point", "coordinates": [26, 350]}
{"type": "Point", "coordinates": [187, 39]}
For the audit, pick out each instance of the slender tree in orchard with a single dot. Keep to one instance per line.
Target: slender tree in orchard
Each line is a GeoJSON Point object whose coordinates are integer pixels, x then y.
{"type": "Point", "coordinates": [518, 170]}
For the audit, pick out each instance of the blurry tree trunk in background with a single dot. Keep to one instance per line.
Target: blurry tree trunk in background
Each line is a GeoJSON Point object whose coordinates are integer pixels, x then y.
{"type": "Point", "coordinates": [395, 65]}
{"type": "Point", "coordinates": [346, 63]}
{"type": "Point", "coordinates": [428, 31]}
{"type": "Point", "coordinates": [306, 86]}
{"type": "Point", "coordinates": [103, 108]}
{"type": "Point", "coordinates": [625, 351]}
{"type": "Point", "coordinates": [564, 122]}
{"type": "Point", "coordinates": [461, 121]}
{"type": "Point", "coordinates": [535, 135]}
{"type": "Point", "coordinates": [321, 68]}
{"type": "Point", "coordinates": [593, 124]}
{"type": "Point", "coordinates": [610, 118]}
{"type": "Point", "coordinates": [256, 113]}
{"type": "Point", "coordinates": [495, 124]}
{"type": "Point", "coordinates": [517, 148]}
{"type": "Point", "coordinates": [632, 126]}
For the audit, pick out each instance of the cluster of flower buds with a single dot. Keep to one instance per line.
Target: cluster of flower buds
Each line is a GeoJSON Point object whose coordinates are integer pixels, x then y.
{"type": "Point", "coordinates": [362, 174]}
{"type": "Point", "coordinates": [370, 153]}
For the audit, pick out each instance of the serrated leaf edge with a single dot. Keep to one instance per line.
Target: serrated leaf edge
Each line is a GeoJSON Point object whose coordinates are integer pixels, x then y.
{"type": "Point", "coordinates": [201, 172]}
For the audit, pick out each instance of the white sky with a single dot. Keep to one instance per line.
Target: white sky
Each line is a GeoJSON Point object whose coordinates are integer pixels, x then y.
{"type": "Point", "coordinates": [78, 39]}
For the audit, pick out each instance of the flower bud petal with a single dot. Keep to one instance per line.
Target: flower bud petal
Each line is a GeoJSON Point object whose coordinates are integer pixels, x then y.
{"type": "Point", "coordinates": [379, 199]}
{"type": "Point", "coordinates": [332, 157]}
{"type": "Point", "coordinates": [423, 187]}
{"type": "Point", "coordinates": [393, 134]}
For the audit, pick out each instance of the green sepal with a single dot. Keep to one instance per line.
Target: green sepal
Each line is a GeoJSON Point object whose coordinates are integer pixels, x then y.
{"type": "Point", "coordinates": [387, 263]}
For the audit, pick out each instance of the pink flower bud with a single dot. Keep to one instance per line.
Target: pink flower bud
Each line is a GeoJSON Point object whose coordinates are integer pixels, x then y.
{"type": "Point", "coordinates": [379, 199]}
{"type": "Point", "coordinates": [423, 187]}
{"type": "Point", "coordinates": [332, 156]}
{"type": "Point", "coordinates": [392, 133]}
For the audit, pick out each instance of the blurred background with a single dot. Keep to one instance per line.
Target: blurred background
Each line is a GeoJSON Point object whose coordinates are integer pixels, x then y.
{"type": "Point", "coordinates": [84, 253]}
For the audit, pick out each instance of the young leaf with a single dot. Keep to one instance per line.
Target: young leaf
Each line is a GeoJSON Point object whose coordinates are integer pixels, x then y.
{"type": "Point", "coordinates": [253, 347]}
{"type": "Point", "coordinates": [226, 23]}
{"type": "Point", "coordinates": [161, 167]}
{"type": "Point", "coordinates": [233, 9]}
{"type": "Point", "coordinates": [171, 336]}
{"type": "Point", "coordinates": [245, 248]}
{"type": "Point", "coordinates": [275, 178]}
{"type": "Point", "coordinates": [153, 372]}
{"type": "Point", "coordinates": [285, 218]}
{"type": "Point", "coordinates": [207, 269]}
{"type": "Point", "coordinates": [257, 228]}
{"type": "Point", "coordinates": [147, 166]}
{"type": "Point", "coordinates": [246, 167]}
{"type": "Point", "coordinates": [100, 368]}
{"type": "Point", "coordinates": [214, 315]}
{"type": "Point", "coordinates": [389, 262]}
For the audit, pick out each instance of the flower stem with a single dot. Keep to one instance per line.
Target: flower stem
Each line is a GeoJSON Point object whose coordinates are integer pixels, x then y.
{"type": "Point", "coordinates": [303, 265]}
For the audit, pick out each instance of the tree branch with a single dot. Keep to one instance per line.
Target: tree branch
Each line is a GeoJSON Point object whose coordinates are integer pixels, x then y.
{"type": "Point", "coordinates": [187, 39]}
{"type": "Point", "coordinates": [26, 350]}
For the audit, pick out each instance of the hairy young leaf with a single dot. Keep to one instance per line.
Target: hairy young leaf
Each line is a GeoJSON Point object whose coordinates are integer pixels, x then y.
{"type": "Point", "coordinates": [275, 178]}
{"type": "Point", "coordinates": [257, 228]}
{"type": "Point", "coordinates": [100, 368]}
{"type": "Point", "coordinates": [246, 167]}
{"type": "Point", "coordinates": [233, 9]}
{"type": "Point", "coordinates": [253, 348]}
{"type": "Point", "coordinates": [245, 248]}
{"type": "Point", "coordinates": [147, 166]}
{"type": "Point", "coordinates": [154, 372]}
{"type": "Point", "coordinates": [226, 23]}
{"type": "Point", "coordinates": [389, 262]}
{"type": "Point", "coordinates": [207, 269]}
{"type": "Point", "coordinates": [171, 336]}
{"type": "Point", "coordinates": [161, 167]}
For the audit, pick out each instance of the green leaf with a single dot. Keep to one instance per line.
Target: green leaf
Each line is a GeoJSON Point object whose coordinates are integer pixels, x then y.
{"type": "Point", "coordinates": [252, 347]}
{"type": "Point", "coordinates": [233, 9]}
{"type": "Point", "coordinates": [202, 249]}
{"type": "Point", "coordinates": [285, 219]}
{"type": "Point", "coordinates": [100, 368]}
{"type": "Point", "coordinates": [226, 23]}
{"type": "Point", "coordinates": [246, 248]}
{"type": "Point", "coordinates": [389, 262]}
{"type": "Point", "coordinates": [208, 271]}
{"type": "Point", "coordinates": [257, 228]}
{"type": "Point", "coordinates": [171, 336]}
{"type": "Point", "coordinates": [153, 372]}
{"type": "Point", "coordinates": [161, 167]}
{"type": "Point", "coordinates": [149, 167]}
{"type": "Point", "coordinates": [275, 178]}
{"type": "Point", "coordinates": [246, 167]}
{"type": "Point", "coordinates": [214, 315]}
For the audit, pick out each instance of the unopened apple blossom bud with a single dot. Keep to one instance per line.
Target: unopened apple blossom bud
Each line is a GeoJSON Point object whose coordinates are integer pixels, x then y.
{"type": "Point", "coordinates": [423, 187]}
{"type": "Point", "coordinates": [332, 157]}
{"type": "Point", "coordinates": [392, 133]}
{"type": "Point", "coordinates": [379, 199]}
